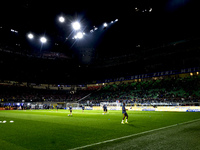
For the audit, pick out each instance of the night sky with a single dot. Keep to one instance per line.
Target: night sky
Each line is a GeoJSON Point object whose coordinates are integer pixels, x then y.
{"type": "Point", "coordinates": [141, 22]}
{"type": "Point", "coordinates": [142, 25]}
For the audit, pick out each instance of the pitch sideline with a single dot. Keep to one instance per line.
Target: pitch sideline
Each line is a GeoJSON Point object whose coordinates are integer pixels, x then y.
{"type": "Point", "coordinates": [132, 135]}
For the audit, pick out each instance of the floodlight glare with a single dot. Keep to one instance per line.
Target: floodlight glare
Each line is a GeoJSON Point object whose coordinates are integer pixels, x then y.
{"type": "Point", "coordinates": [43, 40]}
{"type": "Point", "coordinates": [76, 25]}
{"type": "Point", "coordinates": [79, 35]}
{"type": "Point", "coordinates": [61, 19]}
{"type": "Point", "coordinates": [30, 36]}
{"type": "Point", "coordinates": [105, 24]}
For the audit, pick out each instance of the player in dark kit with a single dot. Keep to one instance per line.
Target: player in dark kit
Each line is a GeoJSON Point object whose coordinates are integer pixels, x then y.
{"type": "Point", "coordinates": [105, 109]}
{"type": "Point", "coordinates": [124, 114]}
{"type": "Point", "coordinates": [83, 108]}
{"type": "Point", "coordinates": [70, 110]}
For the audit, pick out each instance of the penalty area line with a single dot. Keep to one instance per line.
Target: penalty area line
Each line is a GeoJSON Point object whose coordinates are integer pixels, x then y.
{"type": "Point", "coordinates": [132, 135]}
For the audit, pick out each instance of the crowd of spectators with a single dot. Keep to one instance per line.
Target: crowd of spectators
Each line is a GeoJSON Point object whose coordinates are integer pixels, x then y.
{"type": "Point", "coordinates": [174, 89]}
{"type": "Point", "coordinates": [14, 93]}
{"type": "Point", "coordinates": [171, 89]}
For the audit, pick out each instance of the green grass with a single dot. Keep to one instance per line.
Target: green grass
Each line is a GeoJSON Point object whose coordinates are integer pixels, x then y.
{"type": "Point", "coordinates": [47, 129]}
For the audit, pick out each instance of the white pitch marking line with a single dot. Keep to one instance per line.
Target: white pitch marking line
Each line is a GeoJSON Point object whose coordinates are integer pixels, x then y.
{"type": "Point", "coordinates": [132, 135]}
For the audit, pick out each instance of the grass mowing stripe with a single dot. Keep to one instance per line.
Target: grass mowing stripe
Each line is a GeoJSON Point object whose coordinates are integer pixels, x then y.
{"type": "Point", "coordinates": [7, 146]}
{"type": "Point", "coordinates": [132, 135]}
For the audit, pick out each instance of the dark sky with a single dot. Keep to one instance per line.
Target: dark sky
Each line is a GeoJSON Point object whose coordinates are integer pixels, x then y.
{"type": "Point", "coordinates": [142, 23]}
{"type": "Point", "coordinates": [169, 20]}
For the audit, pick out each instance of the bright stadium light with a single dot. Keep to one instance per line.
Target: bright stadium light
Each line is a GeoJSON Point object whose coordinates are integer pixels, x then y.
{"type": "Point", "coordinates": [43, 40]}
{"type": "Point", "coordinates": [79, 35]}
{"type": "Point", "coordinates": [91, 31]}
{"type": "Point", "coordinates": [76, 25]}
{"type": "Point", "coordinates": [30, 36]}
{"type": "Point", "coordinates": [105, 24]}
{"type": "Point", "coordinates": [61, 19]}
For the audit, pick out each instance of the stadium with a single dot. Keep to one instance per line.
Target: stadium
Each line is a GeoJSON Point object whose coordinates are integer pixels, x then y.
{"type": "Point", "coordinates": [99, 75]}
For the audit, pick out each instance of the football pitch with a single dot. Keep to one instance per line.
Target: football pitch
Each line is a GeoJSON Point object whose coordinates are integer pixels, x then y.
{"type": "Point", "coordinates": [55, 130]}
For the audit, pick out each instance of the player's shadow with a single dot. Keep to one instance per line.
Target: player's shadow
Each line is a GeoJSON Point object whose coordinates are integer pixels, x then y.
{"type": "Point", "coordinates": [132, 124]}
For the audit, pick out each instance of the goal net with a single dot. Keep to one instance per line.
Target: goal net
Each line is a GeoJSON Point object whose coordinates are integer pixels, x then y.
{"type": "Point", "coordinates": [111, 106]}
{"type": "Point", "coordinates": [74, 105]}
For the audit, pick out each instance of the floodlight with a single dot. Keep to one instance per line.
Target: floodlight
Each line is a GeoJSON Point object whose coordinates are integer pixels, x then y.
{"type": "Point", "coordinates": [12, 30]}
{"type": "Point", "coordinates": [43, 39]}
{"type": "Point", "coordinates": [105, 24]}
{"type": "Point", "coordinates": [61, 19]}
{"type": "Point", "coordinates": [76, 25]}
{"type": "Point", "coordinates": [116, 20]}
{"type": "Point", "coordinates": [30, 36]}
{"type": "Point", "coordinates": [79, 35]}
